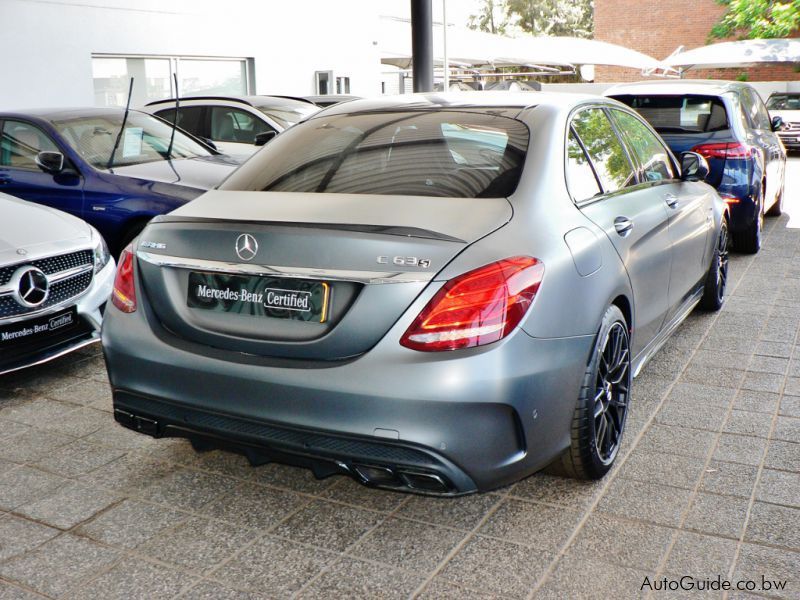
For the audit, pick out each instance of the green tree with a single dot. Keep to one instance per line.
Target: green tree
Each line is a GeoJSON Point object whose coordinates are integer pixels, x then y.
{"type": "Point", "coordinates": [491, 17]}
{"type": "Point", "coordinates": [755, 19]}
{"type": "Point", "coordinates": [537, 17]}
{"type": "Point", "coordinates": [553, 17]}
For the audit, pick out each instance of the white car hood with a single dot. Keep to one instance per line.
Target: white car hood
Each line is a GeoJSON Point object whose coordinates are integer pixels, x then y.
{"type": "Point", "coordinates": [29, 231]}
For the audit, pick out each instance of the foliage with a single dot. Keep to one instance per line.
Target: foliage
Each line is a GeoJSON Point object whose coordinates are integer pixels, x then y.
{"type": "Point", "coordinates": [755, 19]}
{"type": "Point", "coordinates": [491, 18]}
{"type": "Point", "coordinates": [537, 17]}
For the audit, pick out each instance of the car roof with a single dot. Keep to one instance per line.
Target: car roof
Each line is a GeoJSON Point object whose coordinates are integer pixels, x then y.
{"type": "Point", "coordinates": [58, 114]}
{"type": "Point", "coordinates": [677, 86]}
{"type": "Point", "coordinates": [246, 100]}
{"type": "Point", "coordinates": [457, 100]}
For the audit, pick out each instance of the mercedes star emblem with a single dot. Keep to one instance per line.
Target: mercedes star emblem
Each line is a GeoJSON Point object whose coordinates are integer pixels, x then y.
{"type": "Point", "coordinates": [246, 246]}
{"type": "Point", "coordinates": [31, 286]}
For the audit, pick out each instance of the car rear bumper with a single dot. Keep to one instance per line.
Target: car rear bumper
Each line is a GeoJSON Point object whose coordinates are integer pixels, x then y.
{"type": "Point", "coordinates": [474, 419]}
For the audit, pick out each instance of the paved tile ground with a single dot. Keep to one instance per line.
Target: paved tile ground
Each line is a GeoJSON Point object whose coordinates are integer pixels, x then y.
{"type": "Point", "coordinates": [708, 485]}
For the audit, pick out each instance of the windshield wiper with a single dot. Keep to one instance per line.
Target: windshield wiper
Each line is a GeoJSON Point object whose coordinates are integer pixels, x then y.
{"type": "Point", "coordinates": [121, 129]}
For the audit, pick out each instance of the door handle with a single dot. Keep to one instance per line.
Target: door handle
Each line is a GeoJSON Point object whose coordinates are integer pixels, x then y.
{"type": "Point", "coordinates": [671, 200]}
{"type": "Point", "coordinates": [623, 225]}
{"type": "Point", "coordinates": [4, 181]}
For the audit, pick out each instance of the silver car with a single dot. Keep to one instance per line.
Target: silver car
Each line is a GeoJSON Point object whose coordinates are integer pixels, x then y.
{"type": "Point", "coordinates": [430, 293]}
{"type": "Point", "coordinates": [55, 276]}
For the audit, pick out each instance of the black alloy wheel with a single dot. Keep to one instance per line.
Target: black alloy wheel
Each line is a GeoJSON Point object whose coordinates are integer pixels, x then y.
{"type": "Point", "coordinates": [602, 407]}
{"type": "Point", "coordinates": [612, 389]}
{"type": "Point", "coordinates": [717, 278]}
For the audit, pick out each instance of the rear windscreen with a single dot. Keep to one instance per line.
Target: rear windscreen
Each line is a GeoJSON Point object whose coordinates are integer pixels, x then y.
{"type": "Point", "coordinates": [433, 153]}
{"type": "Point", "coordinates": [682, 113]}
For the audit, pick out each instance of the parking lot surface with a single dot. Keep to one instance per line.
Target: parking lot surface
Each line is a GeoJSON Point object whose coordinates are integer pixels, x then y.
{"type": "Point", "coordinates": [707, 487]}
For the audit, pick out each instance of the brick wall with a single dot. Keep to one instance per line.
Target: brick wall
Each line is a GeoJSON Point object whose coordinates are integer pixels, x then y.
{"type": "Point", "coordinates": [658, 27]}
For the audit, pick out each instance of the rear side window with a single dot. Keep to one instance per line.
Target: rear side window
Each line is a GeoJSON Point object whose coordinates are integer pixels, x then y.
{"type": "Point", "coordinates": [755, 112]}
{"type": "Point", "coordinates": [680, 113]}
{"type": "Point", "coordinates": [606, 152]}
{"type": "Point", "coordinates": [462, 154]}
{"type": "Point", "coordinates": [189, 118]}
{"type": "Point", "coordinates": [653, 156]}
{"type": "Point", "coordinates": [581, 180]}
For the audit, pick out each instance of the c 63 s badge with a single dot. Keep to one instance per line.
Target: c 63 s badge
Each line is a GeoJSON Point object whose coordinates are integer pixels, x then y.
{"type": "Point", "coordinates": [405, 261]}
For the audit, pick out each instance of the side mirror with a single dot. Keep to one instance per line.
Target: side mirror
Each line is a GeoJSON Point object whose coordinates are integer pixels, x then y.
{"type": "Point", "coordinates": [264, 137]}
{"type": "Point", "coordinates": [777, 123]}
{"type": "Point", "coordinates": [50, 162]}
{"type": "Point", "coordinates": [693, 167]}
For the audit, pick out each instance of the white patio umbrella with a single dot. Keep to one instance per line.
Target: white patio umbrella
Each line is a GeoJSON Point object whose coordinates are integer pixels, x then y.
{"type": "Point", "coordinates": [738, 54]}
{"type": "Point", "coordinates": [476, 48]}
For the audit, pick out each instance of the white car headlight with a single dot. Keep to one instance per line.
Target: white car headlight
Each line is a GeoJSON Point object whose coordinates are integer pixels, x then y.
{"type": "Point", "coordinates": [101, 253]}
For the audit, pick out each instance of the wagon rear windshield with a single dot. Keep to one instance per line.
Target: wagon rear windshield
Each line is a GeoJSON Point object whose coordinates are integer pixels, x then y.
{"type": "Point", "coordinates": [680, 113]}
{"type": "Point", "coordinates": [432, 153]}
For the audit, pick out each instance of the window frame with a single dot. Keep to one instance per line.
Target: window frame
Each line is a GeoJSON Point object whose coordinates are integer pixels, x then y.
{"type": "Point", "coordinates": [643, 180]}
{"type": "Point", "coordinates": [43, 131]}
{"type": "Point", "coordinates": [633, 163]}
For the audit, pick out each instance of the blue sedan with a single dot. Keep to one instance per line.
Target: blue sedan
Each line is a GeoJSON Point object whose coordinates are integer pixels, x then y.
{"type": "Point", "coordinates": [727, 123]}
{"type": "Point", "coordinates": [114, 170]}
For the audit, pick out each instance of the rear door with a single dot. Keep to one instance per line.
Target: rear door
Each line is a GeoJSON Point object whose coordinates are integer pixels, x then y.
{"type": "Point", "coordinates": [688, 205]}
{"type": "Point", "coordinates": [633, 215]}
{"type": "Point", "coordinates": [760, 134]}
{"type": "Point", "coordinates": [20, 142]}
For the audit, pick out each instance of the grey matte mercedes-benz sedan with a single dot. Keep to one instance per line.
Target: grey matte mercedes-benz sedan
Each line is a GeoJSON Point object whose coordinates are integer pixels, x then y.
{"type": "Point", "coordinates": [430, 293]}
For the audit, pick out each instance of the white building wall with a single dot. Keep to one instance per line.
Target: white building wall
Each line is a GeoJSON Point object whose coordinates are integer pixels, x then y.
{"type": "Point", "coordinates": [46, 45]}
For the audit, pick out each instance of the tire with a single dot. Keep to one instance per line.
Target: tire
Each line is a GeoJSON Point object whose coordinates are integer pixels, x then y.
{"type": "Point", "coordinates": [717, 277]}
{"type": "Point", "coordinates": [776, 210]}
{"type": "Point", "coordinates": [602, 407]}
{"type": "Point", "coordinates": [749, 240]}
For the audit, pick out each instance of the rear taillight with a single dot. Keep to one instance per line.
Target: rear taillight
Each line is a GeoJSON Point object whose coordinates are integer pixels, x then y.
{"type": "Point", "coordinates": [478, 307]}
{"type": "Point", "coordinates": [123, 296]}
{"type": "Point", "coordinates": [725, 150]}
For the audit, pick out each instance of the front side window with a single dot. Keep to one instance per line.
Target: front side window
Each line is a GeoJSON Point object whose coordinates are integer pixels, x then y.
{"type": "Point", "coordinates": [20, 143]}
{"type": "Point", "coordinates": [463, 154]}
{"type": "Point", "coordinates": [234, 125]}
{"type": "Point", "coordinates": [652, 155]}
{"type": "Point", "coordinates": [688, 113]}
{"type": "Point", "coordinates": [604, 148]}
{"type": "Point", "coordinates": [101, 141]}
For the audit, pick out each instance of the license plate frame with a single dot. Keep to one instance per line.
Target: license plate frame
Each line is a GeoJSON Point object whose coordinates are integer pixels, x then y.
{"type": "Point", "coordinates": [266, 296]}
{"type": "Point", "coordinates": [32, 330]}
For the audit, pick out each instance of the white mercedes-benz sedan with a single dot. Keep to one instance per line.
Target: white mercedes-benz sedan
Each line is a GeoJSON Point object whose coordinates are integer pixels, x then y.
{"type": "Point", "coordinates": [55, 277]}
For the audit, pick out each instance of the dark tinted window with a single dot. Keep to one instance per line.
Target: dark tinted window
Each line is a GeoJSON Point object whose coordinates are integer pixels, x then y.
{"type": "Point", "coordinates": [234, 125]}
{"type": "Point", "coordinates": [652, 154]}
{"type": "Point", "coordinates": [581, 180]}
{"type": "Point", "coordinates": [604, 148]}
{"type": "Point", "coordinates": [784, 102]}
{"type": "Point", "coordinates": [680, 113]}
{"type": "Point", "coordinates": [755, 111]}
{"type": "Point", "coordinates": [20, 143]}
{"type": "Point", "coordinates": [443, 153]}
{"type": "Point", "coordinates": [189, 119]}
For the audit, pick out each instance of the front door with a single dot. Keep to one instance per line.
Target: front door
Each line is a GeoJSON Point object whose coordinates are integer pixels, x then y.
{"type": "Point", "coordinates": [20, 142]}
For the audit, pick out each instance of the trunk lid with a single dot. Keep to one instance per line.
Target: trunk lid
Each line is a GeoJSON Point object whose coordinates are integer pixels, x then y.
{"type": "Point", "coordinates": [342, 268]}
